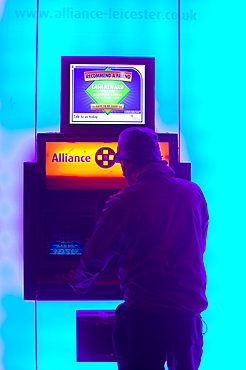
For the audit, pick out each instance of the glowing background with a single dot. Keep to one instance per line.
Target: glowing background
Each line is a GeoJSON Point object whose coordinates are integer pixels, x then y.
{"type": "Point", "coordinates": [213, 135]}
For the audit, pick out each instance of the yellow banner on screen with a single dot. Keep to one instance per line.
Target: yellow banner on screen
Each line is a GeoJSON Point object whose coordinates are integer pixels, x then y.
{"type": "Point", "coordinates": [86, 165]}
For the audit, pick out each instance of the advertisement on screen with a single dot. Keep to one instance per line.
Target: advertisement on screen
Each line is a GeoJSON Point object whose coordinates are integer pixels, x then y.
{"type": "Point", "coordinates": [107, 94]}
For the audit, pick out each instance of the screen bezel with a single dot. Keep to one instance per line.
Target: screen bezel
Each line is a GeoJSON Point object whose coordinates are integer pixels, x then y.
{"type": "Point", "coordinates": [106, 129]}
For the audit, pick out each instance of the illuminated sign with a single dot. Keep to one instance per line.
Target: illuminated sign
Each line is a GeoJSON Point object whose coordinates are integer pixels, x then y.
{"type": "Point", "coordinates": [86, 165]}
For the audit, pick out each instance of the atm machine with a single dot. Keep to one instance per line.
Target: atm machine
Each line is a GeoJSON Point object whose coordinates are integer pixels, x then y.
{"type": "Point", "coordinates": [75, 173]}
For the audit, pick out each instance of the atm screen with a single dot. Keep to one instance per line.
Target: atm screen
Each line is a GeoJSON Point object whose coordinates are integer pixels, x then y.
{"type": "Point", "coordinates": [66, 244]}
{"type": "Point", "coordinates": [107, 93]}
{"type": "Point", "coordinates": [86, 165]}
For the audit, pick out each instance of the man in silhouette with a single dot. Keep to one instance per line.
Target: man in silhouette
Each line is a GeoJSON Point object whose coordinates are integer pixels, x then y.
{"type": "Point", "coordinates": [158, 226]}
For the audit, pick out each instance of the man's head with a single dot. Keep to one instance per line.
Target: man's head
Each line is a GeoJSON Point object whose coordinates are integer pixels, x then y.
{"type": "Point", "coordinates": [137, 147]}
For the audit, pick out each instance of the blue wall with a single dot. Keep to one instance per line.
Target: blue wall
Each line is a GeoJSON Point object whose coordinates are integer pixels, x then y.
{"type": "Point", "coordinates": [212, 138]}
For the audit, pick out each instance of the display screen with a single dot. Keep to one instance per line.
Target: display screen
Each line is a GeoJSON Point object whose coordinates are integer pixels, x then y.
{"type": "Point", "coordinates": [112, 94]}
{"type": "Point", "coordinates": [86, 165]}
{"type": "Point", "coordinates": [66, 244]}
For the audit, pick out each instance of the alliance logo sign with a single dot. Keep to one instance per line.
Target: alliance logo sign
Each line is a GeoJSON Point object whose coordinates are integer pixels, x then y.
{"type": "Point", "coordinates": [85, 165]}
{"type": "Point", "coordinates": [65, 157]}
{"type": "Point", "coordinates": [82, 159]}
{"type": "Point", "coordinates": [105, 157]}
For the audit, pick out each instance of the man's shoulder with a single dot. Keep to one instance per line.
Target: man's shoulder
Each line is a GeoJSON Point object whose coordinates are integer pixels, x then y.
{"type": "Point", "coordinates": [186, 191]}
{"type": "Point", "coordinates": [126, 193]}
{"type": "Point", "coordinates": [191, 191]}
{"type": "Point", "coordinates": [123, 197]}
{"type": "Point", "coordinates": [186, 185]}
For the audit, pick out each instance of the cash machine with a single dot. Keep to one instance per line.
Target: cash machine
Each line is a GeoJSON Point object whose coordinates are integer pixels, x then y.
{"type": "Point", "coordinates": [67, 187]}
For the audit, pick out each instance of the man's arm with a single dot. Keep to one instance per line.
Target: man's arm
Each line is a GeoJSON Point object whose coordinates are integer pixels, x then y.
{"type": "Point", "coordinates": [101, 247]}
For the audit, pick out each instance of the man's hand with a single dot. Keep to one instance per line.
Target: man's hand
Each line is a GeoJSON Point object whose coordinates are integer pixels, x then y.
{"type": "Point", "coordinates": [68, 277]}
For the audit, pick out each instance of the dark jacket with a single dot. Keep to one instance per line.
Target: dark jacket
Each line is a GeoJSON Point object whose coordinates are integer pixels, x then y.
{"type": "Point", "coordinates": [158, 226]}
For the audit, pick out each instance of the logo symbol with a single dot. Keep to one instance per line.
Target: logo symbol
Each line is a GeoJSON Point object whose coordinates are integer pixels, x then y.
{"type": "Point", "coordinates": [105, 157]}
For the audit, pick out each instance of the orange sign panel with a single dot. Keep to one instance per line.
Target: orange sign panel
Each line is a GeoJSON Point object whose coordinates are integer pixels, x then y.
{"type": "Point", "coordinates": [86, 165]}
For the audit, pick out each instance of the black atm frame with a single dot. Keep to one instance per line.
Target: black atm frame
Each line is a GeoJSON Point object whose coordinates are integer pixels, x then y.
{"type": "Point", "coordinates": [41, 269]}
